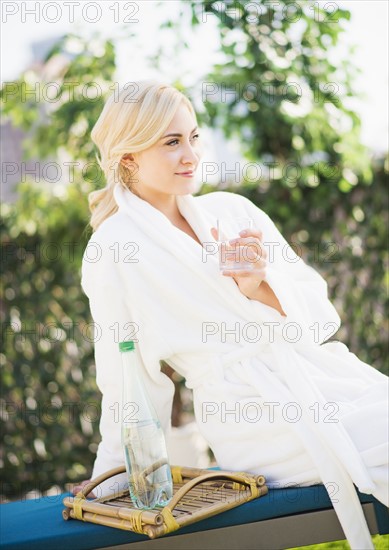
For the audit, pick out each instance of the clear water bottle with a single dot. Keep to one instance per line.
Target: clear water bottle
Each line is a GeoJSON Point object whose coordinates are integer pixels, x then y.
{"type": "Point", "coordinates": [147, 465]}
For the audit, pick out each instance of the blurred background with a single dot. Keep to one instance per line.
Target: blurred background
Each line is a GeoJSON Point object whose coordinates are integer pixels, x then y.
{"type": "Point", "coordinates": [292, 103]}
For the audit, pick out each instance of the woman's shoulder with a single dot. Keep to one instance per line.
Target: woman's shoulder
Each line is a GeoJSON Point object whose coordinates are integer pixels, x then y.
{"type": "Point", "coordinates": [113, 226]}
{"type": "Point", "coordinates": [103, 242]}
{"type": "Point", "coordinates": [100, 266]}
{"type": "Point", "coordinates": [114, 229]}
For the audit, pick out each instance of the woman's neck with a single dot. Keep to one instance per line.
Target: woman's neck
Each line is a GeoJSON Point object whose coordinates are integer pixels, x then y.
{"type": "Point", "coordinates": [167, 204]}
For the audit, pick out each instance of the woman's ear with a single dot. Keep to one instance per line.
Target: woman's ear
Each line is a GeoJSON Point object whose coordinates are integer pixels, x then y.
{"type": "Point", "coordinates": [127, 160]}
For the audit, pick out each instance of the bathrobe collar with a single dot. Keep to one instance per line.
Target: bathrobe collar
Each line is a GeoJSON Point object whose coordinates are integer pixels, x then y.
{"type": "Point", "coordinates": [200, 221]}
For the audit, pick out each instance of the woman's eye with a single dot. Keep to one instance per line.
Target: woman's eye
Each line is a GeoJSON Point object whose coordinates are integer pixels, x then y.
{"type": "Point", "coordinates": [174, 141]}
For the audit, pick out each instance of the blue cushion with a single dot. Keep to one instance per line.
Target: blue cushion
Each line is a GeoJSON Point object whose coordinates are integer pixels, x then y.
{"type": "Point", "coordinates": [36, 524]}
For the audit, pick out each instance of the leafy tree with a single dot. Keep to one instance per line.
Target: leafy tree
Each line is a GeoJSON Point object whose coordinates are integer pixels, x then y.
{"type": "Point", "coordinates": [50, 405]}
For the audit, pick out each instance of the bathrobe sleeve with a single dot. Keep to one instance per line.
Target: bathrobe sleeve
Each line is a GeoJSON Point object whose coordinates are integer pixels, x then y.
{"type": "Point", "coordinates": [116, 318]}
{"type": "Point", "coordinates": [300, 289]}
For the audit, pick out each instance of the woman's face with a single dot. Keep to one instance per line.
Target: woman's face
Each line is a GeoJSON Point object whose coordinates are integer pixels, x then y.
{"type": "Point", "coordinates": [160, 167]}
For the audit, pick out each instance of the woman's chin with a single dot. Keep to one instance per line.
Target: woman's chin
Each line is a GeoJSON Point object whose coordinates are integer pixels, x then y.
{"type": "Point", "coordinates": [191, 186]}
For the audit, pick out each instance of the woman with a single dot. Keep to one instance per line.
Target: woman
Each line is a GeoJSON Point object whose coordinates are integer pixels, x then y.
{"type": "Point", "coordinates": [269, 396]}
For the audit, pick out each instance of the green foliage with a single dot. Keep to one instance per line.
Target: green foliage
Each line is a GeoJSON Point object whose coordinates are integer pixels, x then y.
{"type": "Point", "coordinates": [50, 404]}
{"type": "Point", "coordinates": [381, 542]}
{"type": "Point", "coordinates": [60, 107]}
{"type": "Point", "coordinates": [277, 93]}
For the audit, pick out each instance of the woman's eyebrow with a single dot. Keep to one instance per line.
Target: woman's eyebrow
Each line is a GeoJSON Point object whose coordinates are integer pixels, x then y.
{"type": "Point", "coordinates": [177, 135]}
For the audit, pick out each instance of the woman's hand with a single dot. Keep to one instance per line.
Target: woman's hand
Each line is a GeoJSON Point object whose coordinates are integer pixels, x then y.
{"type": "Point", "coordinates": [250, 239]}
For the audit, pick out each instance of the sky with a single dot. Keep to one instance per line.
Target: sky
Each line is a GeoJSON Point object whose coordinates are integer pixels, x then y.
{"type": "Point", "coordinates": [31, 22]}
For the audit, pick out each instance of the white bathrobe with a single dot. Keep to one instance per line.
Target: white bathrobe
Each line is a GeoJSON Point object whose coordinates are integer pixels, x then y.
{"type": "Point", "coordinates": [269, 395]}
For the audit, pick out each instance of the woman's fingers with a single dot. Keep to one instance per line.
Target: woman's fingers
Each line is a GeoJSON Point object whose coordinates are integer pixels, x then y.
{"type": "Point", "coordinates": [254, 273]}
{"type": "Point", "coordinates": [237, 253]}
{"type": "Point", "coordinates": [245, 233]}
{"type": "Point", "coordinates": [245, 249]}
{"type": "Point", "coordinates": [253, 232]}
{"type": "Point", "coordinates": [252, 242]}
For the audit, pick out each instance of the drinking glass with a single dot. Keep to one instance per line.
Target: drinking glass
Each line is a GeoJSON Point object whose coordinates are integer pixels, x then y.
{"type": "Point", "coordinates": [231, 256]}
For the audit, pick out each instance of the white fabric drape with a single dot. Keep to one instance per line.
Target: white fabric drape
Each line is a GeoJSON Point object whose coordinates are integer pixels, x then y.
{"type": "Point", "coordinates": [148, 280]}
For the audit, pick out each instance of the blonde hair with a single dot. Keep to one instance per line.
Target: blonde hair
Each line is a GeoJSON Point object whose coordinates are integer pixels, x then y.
{"type": "Point", "coordinates": [131, 121]}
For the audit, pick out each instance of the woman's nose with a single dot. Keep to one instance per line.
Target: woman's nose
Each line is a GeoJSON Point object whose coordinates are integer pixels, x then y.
{"type": "Point", "coordinates": [190, 154]}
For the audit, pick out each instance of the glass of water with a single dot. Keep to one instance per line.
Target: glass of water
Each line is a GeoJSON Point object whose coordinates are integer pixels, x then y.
{"type": "Point", "coordinates": [231, 256]}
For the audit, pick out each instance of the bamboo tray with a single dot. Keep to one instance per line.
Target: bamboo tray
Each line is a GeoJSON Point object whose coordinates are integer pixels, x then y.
{"type": "Point", "coordinates": [197, 494]}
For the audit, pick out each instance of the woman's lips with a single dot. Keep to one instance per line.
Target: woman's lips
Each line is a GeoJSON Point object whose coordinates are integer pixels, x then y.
{"type": "Point", "coordinates": [185, 174]}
